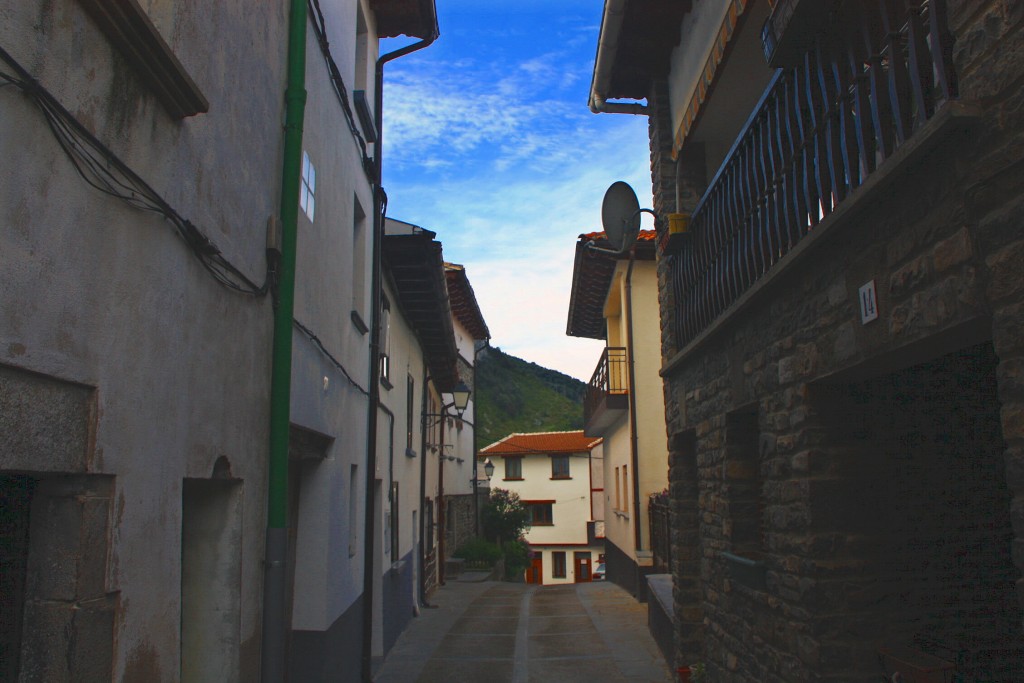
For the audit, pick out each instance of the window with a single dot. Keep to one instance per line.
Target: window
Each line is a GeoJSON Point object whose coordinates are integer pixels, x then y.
{"type": "Point", "coordinates": [513, 467]}
{"type": "Point", "coordinates": [625, 488]}
{"type": "Point", "coordinates": [618, 491]}
{"type": "Point", "coordinates": [560, 467]}
{"type": "Point", "coordinates": [410, 397]}
{"type": "Point", "coordinates": [540, 513]}
{"type": "Point", "coordinates": [306, 201]}
{"type": "Point", "coordinates": [743, 475]}
{"type": "Point", "coordinates": [359, 259]}
{"type": "Point", "coordinates": [428, 520]}
{"type": "Point", "coordinates": [558, 565]}
{"type": "Point", "coordinates": [385, 343]}
{"type": "Point", "coordinates": [394, 522]}
{"type": "Point", "coordinates": [353, 509]}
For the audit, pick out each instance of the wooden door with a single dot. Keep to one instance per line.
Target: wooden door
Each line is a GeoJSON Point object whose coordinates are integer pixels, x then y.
{"type": "Point", "coordinates": [583, 568]}
{"type": "Point", "coordinates": [535, 574]}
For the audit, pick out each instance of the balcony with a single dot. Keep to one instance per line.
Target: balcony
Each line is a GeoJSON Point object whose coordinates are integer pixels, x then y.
{"type": "Point", "coordinates": [875, 86]}
{"type": "Point", "coordinates": [607, 396]}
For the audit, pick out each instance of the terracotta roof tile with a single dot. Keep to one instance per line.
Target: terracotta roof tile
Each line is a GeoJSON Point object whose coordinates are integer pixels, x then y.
{"type": "Point", "coordinates": [542, 442]}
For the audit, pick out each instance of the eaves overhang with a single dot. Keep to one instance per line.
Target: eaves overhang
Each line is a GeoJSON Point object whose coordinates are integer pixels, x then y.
{"type": "Point", "coordinates": [647, 32]}
{"type": "Point", "coordinates": [591, 279]}
{"type": "Point", "coordinates": [463, 302]}
{"type": "Point", "coordinates": [413, 18]}
{"type": "Point", "coordinates": [415, 265]}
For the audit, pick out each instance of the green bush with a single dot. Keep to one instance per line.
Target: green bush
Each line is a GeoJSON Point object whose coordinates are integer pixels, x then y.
{"type": "Point", "coordinates": [479, 550]}
{"type": "Point", "coordinates": [517, 559]}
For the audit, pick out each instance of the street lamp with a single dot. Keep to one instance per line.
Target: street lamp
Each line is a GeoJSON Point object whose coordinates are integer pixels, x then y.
{"type": "Point", "coordinates": [488, 468]}
{"type": "Point", "coordinates": [460, 398]}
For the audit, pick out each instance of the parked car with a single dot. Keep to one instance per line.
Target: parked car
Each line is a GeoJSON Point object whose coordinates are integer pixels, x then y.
{"type": "Point", "coordinates": [599, 572]}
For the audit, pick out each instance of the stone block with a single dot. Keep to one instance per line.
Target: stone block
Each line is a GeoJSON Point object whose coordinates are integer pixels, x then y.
{"type": "Point", "coordinates": [1006, 272]}
{"type": "Point", "coordinates": [908, 276]}
{"type": "Point", "coordinates": [1008, 330]}
{"type": "Point", "coordinates": [1012, 415]}
{"type": "Point", "coordinates": [45, 422]}
{"type": "Point", "coordinates": [952, 251]}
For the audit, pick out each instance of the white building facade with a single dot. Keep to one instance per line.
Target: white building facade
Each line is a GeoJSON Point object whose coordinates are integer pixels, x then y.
{"type": "Point", "coordinates": [553, 474]}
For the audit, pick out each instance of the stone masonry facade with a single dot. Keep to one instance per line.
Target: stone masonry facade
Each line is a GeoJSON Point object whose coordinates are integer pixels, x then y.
{"type": "Point", "coordinates": [839, 488]}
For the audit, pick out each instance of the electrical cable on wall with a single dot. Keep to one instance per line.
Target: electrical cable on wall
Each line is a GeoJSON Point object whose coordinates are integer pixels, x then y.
{"type": "Point", "coordinates": [103, 170]}
{"type": "Point", "coordinates": [320, 29]}
{"type": "Point", "coordinates": [334, 361]}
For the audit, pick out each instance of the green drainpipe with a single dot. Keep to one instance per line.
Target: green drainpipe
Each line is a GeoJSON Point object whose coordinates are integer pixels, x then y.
{"type": "Point", "coordinates": [274, 598]}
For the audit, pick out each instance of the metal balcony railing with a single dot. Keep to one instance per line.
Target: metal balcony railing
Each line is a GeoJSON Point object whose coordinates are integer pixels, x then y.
{"type": "Point", "coordinates": [820, 130]}
{"type": "Point", "coordinates": [661, 532]}
{"type": "Point", "coordinates": [610, 378]}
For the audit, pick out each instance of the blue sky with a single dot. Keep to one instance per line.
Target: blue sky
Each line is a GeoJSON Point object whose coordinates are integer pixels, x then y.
{"type": "Point", "coordinates": [488, 141]}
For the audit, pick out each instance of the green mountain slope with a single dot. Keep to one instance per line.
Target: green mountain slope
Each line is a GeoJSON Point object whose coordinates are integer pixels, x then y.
{"type": "Point", "coordinates": [514, 395]}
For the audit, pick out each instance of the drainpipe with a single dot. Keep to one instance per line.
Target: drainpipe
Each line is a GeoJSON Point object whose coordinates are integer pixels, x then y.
{"type": "Point", "coordinates": [379, 206]}
{"type": "Point", "coordinates": [607, 46]}
{"type": "Point", "coordinates": [423, 490]}
{"type": "Point", "coordinates": [637, 526]}
{"type": "Point", "coordinates": [441, 530]}
{"type": "Point", "coordinates": [274, 588]}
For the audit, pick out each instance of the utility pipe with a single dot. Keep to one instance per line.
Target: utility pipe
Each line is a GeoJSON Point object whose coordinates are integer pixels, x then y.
{"type": "Point", "coordinates": [379, 208]}
{"type": "Point", "coordinates": [637, 526]}
{"type": "Point", "coordinates": [607, 46]}
{"type": "Point", "coordinates": [441, 526]}
{"type": "Point", "coordinates": [274, 583]}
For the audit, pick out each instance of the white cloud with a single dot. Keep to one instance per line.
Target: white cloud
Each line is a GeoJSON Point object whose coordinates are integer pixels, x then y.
{"type": "Point", "coordinates": [502, 158]}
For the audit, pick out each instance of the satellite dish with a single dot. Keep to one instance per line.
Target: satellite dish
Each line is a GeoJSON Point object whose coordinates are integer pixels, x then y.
{"type": "Point", "coordinates": [620, 216]}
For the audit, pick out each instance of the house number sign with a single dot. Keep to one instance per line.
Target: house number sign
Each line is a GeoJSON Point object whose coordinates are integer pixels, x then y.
{"type": "Point", "coordinates": [868, 303]}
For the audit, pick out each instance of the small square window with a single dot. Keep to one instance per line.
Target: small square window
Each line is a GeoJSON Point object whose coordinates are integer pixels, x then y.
{"type": "Point", "coordinates": [306, 201]}
{"type": "Point", "coordinates": [540, 514]}
{"type": "Point", "coordinates": [513, 468]}
{"type": "Point", "coordinates": [560, 467]}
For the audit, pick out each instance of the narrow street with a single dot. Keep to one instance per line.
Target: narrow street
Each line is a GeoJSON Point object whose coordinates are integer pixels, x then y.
{"type": "Point", "coordinates": [496, 632]}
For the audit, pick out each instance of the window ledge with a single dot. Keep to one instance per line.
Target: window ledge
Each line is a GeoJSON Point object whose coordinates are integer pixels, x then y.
{"type": "Point", "coordinates": [542, 524]}
{"type": "Point", "coordinates": [553, 478]}
{"type": "Point", "coordinates": [512, 479]}
{"type": "Point", "coordinates": [746, 571]}
{"type": "Point", "coordinates": [130, 30]}
{"type": "Point", "coordinates": [357, 320]}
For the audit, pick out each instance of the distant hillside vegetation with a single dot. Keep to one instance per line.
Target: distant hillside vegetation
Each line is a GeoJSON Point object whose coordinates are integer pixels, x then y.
{"type": "Point", "coordinates": [514, 395]}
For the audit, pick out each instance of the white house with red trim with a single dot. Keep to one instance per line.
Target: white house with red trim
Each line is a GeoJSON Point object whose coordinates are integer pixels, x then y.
{"type": "Point", "coordinates": [559, 476]}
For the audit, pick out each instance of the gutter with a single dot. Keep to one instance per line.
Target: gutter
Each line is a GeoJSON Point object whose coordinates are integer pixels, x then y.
{"type": "Point", "coordinates": [634, 450]}
{"type": "Point", "coordinates": [379, 208]}
{"type": "Point", "coordinates": [607, 47]}
{"type": "Point", "coordinates": [272, 654]}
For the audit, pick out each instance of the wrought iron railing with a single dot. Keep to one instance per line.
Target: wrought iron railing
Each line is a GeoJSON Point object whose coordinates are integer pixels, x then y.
{"type": "Point", "coordinates": [820, 130]}
{"type": "Point", "coordinates": [609, 378]}
{"type": "Point", "coordinates": [661, 533]}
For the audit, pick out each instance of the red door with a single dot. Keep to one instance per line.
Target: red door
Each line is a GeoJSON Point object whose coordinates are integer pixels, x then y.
{"type": "Point", "coordinates": [535, 574]}
{"type": "Point", "coordinates": [582, 567]}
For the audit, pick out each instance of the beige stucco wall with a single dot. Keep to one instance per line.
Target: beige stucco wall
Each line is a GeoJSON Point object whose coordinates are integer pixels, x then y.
{"type": "Point", "coordinates": [570, 511]}
{"type": "Point", "coordinates": [652, 441]}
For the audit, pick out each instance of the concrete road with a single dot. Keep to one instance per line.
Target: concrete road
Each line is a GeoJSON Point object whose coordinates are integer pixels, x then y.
{"type": "Point", "coordinates": [498, 632]}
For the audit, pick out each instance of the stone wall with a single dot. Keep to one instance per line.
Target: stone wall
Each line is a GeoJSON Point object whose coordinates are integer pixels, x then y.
{"type": "Point", "coordinates": [460, 525]}
{"type": "Point", "coordinates": [768, 405]}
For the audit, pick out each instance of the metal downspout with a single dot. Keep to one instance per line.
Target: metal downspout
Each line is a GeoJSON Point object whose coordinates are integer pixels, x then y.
{"type": "Point", "coordinates": [637, 526]}
{"type": "Point", "coordinates": [274, 582]}
{"type": "Point", "coordinates": [379, 206]}
{"type": "Point", "coordinates": [607, 46]}
{"type": "Point", "coordinates": [441, 528]}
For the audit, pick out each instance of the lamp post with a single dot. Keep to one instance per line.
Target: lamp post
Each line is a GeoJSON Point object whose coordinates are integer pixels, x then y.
{"type": "Point", "coordinates": [460, 401]}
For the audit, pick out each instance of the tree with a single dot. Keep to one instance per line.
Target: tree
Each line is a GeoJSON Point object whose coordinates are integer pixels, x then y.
{"type": "Point", "coordinates": [504, 517]}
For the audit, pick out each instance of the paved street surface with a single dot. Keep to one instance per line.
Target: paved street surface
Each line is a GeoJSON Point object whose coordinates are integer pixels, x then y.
{"type": "Point", "coordinates": [497, 632]}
